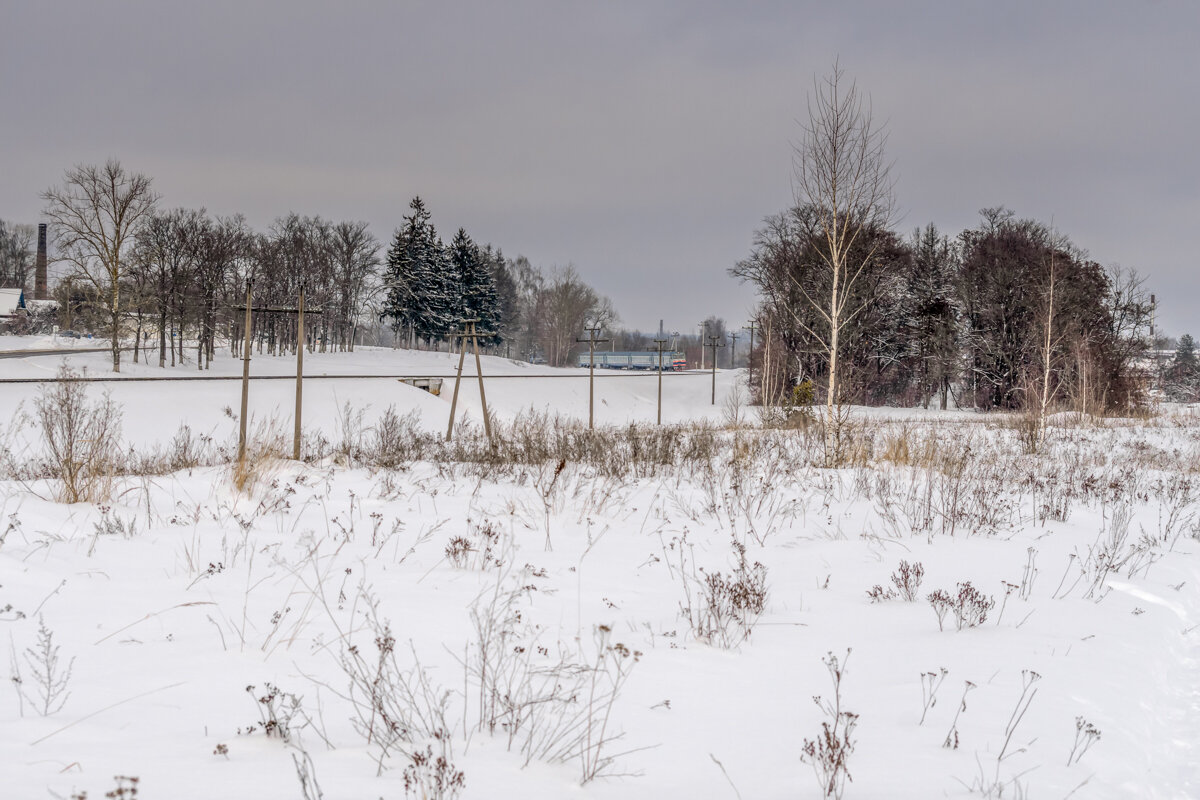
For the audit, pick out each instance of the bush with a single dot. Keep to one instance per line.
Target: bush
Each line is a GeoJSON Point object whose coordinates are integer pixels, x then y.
{"type": "Point", "coordinates": [81, 438]}
{"type": "Point", "coordinates": [727, 607]}
{"type": "Point", "coordinates": [969, 606]}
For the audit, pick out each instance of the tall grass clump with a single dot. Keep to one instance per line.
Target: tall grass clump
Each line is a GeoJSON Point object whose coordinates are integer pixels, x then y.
{"type": "Point", "coordinates": [265, 449]}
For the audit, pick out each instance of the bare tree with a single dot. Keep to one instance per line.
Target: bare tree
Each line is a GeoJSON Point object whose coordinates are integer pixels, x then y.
{"type": "Point", "coordinates": [564, 306]}
{"type": "Point", "coordinates": [1046, 356]}
{"type": "Point", "coordinates": [168, 248]}
{"type": "Point", "coordinates": [354, 252]}
{"type": "Point", "coordinates": [840, 172]}
{"type": "Point", "coordinates": [95, 216]}
{"type": "Point", "coordinates": [16, 254]}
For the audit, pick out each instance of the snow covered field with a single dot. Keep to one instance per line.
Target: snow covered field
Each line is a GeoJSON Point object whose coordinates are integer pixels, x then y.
{"type": "Point", "coordinates": [587, 611]}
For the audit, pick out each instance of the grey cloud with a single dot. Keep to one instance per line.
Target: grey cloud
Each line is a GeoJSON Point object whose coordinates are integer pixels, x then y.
{"type": "Point", "coordinates": [643, 142]}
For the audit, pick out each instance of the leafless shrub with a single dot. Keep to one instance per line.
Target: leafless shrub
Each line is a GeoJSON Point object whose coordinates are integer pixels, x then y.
{"type": "Point", "coordinates": [395, 440]}
{"type": "Point", "coordinates": [433, 778]}
{"type": "Point", "coordinates": [721, 609]}
{"type": "Point", "coordinates": [930, 683]}
{"type": "Point", "coordinates": [50, 677]}
{"type": "Point", "coordinates": [829, 754]}
{"type": "Point", "coordinates": [81, 438]}
{"type": "Point", "coordinates": [351, 429]}
{"type": "Point", "coordinates": [1108, 554]}
{"type": "Point", "coordinates": [187, 450]}
{"type": "Point", "coordinates": [906, 584]}
{"type": "Point", "coordinates": [1029, 574]}
{"type": "Point", "coordinates": [1029, 426]}
{"type": "Point", "coordinates": [549, 489]}
{"type": "Point", "coordinates": [481, 548]}
{"type": "Point", "coordinates": [749, 493]}
{"type": "Point", "coordinates": [993, 786]}
{"type": "Point", "coordinates": [276, 711]}
{"type": "Point", "coordinates": [1086, 734]}
{"type": "Point", "coordinates": [126, 788]}
{"type": "Point", "coordinates": [1176, 501]}
{"type": "Point", "coordinates": [396, 708]}
{"type": "Point", "coordinates": [733, 411]}
{"type": "Point", "coordinates": [951, 740]}
{"type": "Point", "coordinates": [306, 773]}
{"type": "Point", "coordinates": [907, 580]}
{"type": "Point", "coordinates": [969, 606]}
{"type": "Point", "coordinates": [551, 705]}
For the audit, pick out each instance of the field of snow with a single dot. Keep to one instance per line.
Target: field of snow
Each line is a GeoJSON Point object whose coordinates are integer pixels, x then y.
{"type": "Point", "coordinates": [587, 619]}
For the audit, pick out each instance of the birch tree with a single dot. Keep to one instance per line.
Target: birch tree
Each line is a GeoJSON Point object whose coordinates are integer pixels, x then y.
{"type": "Point", "coordinates": [840, 171]}
{"type": "Point", "coordinates": [95, 216]}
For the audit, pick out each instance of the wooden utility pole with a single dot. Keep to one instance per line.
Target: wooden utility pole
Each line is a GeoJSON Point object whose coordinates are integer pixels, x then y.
{"type": "Point", "coordinates": [248, 345]}
{"type": "Point", "coordinates": [733, 337]}
{"type": "Point", "coordinates": [245, 382]}
{"type": "Point", "coordinates": [750, 358]}
{"type": "Point", "coordinates": [462, 356]}
{"type": "Point", "coordinates": [299, 373]}
{"type": "Point", "coordinates": [714, 342]}
{"type": "Point", "coordinates": [487, 423]}
{"type": "Point", "coordinates": [592, 342]}
{"type": "Point", "coordinates": [660, 343]}
{"type": "Point", "coordinates": [468, 331]}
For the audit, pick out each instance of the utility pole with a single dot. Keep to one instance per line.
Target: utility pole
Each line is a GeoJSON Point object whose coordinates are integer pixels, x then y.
{"type": "Point", "coordinates": [468, 331]}
{"type": "Point", "coordinates": [733, 337]}
{"type": "Point", "coordinates": [703, 330]}
{"type": "Point", "coordinates": [245, 382]}
{"type": "Point", "coordinates": [660, 343]}
{"type": "Point", "coordinates": [299, 373]}
{"type": "Point", "coordinates": [1154, 342]}
{"type": "Point", "coordinates": [248, 345]}
{"type": "Point", "coordinates": [750, 357]}
{"type": "Point", "coordinates": [592, 341]}
{"type": "Point", "coordinates": [714, 342]}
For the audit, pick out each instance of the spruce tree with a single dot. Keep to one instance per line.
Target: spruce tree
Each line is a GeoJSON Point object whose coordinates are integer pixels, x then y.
{"type": "Point", "coordinates": [1185, 351]}
{"type": "Point", "coordinates": [477, 299]}
{"type": "Point", "coordinates": [406, 299]}
{"type": "Point", "coordinates": [933, 313]}
{"type": "Point", "coordinates": [508, 303]}
{"type": "Point", "coordinates": [439, 289]}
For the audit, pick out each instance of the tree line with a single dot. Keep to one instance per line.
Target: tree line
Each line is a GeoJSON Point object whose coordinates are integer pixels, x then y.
{"type": "Point", "coordinates": [172, 281]}
{"type": "Point", "coordinates": [1008, 314]}
{"type": "Point", "coordinates": [939, 318]}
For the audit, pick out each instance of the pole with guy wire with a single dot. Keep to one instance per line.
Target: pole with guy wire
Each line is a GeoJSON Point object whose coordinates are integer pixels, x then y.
{"type": "Point", "coordinates": [468, 331]}
{"type": "Point", "coordinates": [592, 341]}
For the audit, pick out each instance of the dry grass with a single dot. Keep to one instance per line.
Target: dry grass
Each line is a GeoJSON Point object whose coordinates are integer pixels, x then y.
{"type": "Point", "coordinates": [266, 449]}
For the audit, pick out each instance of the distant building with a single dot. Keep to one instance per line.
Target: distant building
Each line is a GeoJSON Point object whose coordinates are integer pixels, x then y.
{"type": "Point", "coordinates": [12, 303]}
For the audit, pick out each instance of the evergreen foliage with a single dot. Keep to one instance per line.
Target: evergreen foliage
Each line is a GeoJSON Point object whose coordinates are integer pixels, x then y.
{"type": "Point", "coordinates": [423, 298]}
{"type": "Point", "coordinates": [476, 289]}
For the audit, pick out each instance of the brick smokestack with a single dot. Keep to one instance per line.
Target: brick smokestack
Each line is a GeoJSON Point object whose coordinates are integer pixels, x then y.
{"type": "Point", "coordinates": [39, 281]}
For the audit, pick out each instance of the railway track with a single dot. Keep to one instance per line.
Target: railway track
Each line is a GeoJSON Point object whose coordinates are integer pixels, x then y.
{"type": "Point", "coordinates": [161, 378]}
{"type": "Point", "coordinates": [58, 351]}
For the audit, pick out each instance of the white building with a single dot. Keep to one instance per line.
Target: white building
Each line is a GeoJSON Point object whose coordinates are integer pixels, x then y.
{"type": "Point", "coordinates": [11, 301]}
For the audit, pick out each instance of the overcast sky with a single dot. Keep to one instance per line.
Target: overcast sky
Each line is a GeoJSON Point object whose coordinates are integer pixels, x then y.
{"type": "Point", "coordinates": [642, 142]}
